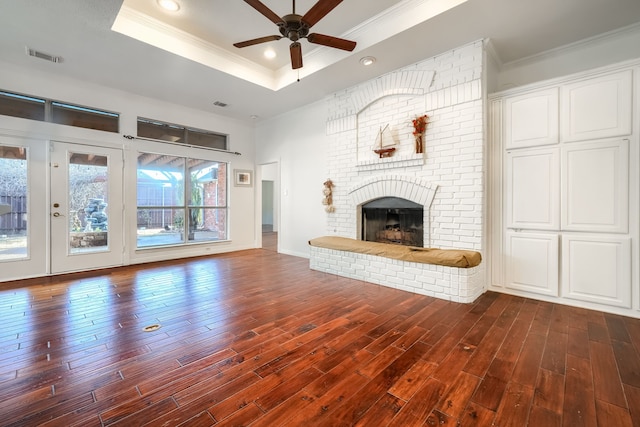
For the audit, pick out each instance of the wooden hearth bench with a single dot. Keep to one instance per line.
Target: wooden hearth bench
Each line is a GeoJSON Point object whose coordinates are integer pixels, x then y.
{"type": "Point", "coordinates": [447, 257]}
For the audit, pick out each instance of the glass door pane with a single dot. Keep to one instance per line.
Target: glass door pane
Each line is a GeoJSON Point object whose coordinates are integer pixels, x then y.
{"type": "Point", "coordinates": [23, 208]}
{"type": "Point", "coordinates": [13, 203]}
{"type": "Point", "coordinates": [88, 200]}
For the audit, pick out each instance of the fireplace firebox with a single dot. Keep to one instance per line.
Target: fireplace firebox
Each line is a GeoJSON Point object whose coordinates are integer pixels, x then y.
{"type": "Point", "coordinates": [393, 220]}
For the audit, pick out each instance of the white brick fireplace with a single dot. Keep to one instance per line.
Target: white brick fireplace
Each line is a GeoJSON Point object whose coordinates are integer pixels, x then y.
{"type": "Point", "coordinates": [447, 179]}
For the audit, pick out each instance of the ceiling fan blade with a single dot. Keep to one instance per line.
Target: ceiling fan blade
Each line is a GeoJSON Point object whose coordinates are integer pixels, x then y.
{"type": "Point", "coordinates": [257, 41]}
{"type": "Point", "coordinates": [260, 7]}
{"type": "Point", "coordinates": [319, 10]}
{"type": "Point", "coordinates": [331, 41]}
{"type": "Point", "coordinates": [296, 55]}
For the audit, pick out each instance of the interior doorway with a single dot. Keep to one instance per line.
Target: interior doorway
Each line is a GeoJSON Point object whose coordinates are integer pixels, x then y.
{"type": "Point", "coordinates": [267, 206]}
{"type": "Point", "coordinates": [270, 205]}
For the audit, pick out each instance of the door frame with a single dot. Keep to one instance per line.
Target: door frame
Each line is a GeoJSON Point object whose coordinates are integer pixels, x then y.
{"type": "Point", "coordinates": [59, 259]}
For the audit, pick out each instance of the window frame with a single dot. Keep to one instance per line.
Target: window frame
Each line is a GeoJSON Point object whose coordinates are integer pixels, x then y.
{"type": "Point", "coordinates": [180, 134]}
{"type": "Point", "coordinates": [187, 232]}
{"type": "Point", "coordinates": [54, 111]}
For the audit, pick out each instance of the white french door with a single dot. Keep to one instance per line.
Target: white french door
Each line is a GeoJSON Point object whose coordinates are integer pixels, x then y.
{"type": "Point", "coordinates": [23, 208]}
{"type": "Point", "coordinates": [86, 208]}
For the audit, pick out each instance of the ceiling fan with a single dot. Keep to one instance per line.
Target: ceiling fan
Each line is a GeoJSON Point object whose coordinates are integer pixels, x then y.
{"type": "Point", "coordinates": [296, 27]}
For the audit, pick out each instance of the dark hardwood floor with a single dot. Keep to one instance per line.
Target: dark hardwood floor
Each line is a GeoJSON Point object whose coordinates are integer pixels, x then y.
{"type": "Point", "coordinates": [256, 338]}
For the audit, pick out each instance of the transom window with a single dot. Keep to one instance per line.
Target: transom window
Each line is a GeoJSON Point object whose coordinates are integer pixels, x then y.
{"type": "Point", "coordinates": [170, 132]}
{"type": "Point", "coordinates": [47, 110]}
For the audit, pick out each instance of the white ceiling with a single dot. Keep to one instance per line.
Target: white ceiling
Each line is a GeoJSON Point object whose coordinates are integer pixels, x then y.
{"type": "Point", "coordinates": [199, 33]}
{"type": "Point", "coordinates": [195, 59]}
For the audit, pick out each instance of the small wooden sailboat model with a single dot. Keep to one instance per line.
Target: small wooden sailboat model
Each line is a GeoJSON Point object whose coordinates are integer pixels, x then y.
{"type": "Point", "coordinates": [384, 143]}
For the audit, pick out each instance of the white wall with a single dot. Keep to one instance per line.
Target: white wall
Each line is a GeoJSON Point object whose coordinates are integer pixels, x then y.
{"type": "Point", "coordinates": [609, 48]}
{"type": "Point", "coordinates": [298, 142]}
{"type": "Point", "coordinates": [242, 206]}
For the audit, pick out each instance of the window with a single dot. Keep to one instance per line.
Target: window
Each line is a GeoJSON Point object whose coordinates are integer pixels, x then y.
{"type": "Point", "coordinates": [46, 110]}
{"type": "Point", "coordinates": [82, 117]}
{"type": "Point", "coordinates": [180, 134]}
{"type": "Point", "coordinates": [26, 107]}
{"type": "Point", "coordinates": [180, 200]}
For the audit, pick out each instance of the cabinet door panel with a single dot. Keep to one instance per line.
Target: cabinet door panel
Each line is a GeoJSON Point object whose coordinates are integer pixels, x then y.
{"type": "Point", "coordinates": [532, 119]}
{"type": "Point", "coordinates": [532, 262]}
{"type": "Point", "coordinates": [533, 189]}
{"type": "Point", "coordinates": [597, 269]}
{"type": "Point", "coordinates": [595, 193]}
{"type": "Point", "coordinates": [597, 108]}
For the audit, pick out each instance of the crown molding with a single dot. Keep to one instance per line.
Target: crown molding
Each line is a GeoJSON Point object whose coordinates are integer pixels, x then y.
{"type": "Point", "coordinates": [559, 51]}
{"type": "Point", "coordinates": [490, 48]}
{"type": "Point", "coordinates": [142, 27]}
{"type": "Point", "coordinates": [388, 23]}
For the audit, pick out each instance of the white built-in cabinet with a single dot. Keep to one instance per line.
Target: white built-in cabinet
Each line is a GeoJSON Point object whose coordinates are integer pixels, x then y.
{"type": "Point", "coordinates": [565, 156]}
{"type": "Point", "coordinates": [598, 107]}
{"type": "Point", "coordinates": [532, 188]}
{"type": "Point", "coordinates": [595, 186]}
{"type": "Point", "coordinates": [531, 120]}
{"type": "Point", "coordinates": [532, 262]}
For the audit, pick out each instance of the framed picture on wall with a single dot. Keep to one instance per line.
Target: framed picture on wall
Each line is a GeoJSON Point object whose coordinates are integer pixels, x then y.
{"type": "Point", "coordinates": [242, 178]}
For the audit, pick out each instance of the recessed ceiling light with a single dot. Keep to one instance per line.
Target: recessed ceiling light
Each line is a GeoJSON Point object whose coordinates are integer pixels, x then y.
{"type": "Point", "coordinates": [170, 5]}
{"type": "Point", "coordinates": [367, 60]}
{"type": "Point", "coordinates": [269, 53]}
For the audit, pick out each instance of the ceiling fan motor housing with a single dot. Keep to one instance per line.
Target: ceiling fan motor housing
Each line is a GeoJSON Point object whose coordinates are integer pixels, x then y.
{"type": "Point", "coordinates": [293, 28]}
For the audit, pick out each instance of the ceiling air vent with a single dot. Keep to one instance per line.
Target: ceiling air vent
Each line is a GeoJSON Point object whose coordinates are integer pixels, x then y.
{"type": "Point", "coordinates": [42, 55]}
{"type": "Point", "coordinates": [220, 104]}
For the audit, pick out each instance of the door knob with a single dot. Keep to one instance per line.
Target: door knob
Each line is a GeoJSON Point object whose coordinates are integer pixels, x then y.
{"type": "Point", "coordinates": [57, 214]}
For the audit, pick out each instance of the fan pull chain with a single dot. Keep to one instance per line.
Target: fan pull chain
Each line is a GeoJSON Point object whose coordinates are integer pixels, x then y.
{"type": "Point", "coordinates": [298, 75]}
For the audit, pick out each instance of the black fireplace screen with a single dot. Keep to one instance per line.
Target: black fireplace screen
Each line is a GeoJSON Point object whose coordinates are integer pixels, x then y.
{"type": "Point", "coordinates": [393, 220]}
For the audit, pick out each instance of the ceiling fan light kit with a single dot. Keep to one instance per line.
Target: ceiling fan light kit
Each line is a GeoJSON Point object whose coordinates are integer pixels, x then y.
{"type": "Point", "coordinates": [296, 27]}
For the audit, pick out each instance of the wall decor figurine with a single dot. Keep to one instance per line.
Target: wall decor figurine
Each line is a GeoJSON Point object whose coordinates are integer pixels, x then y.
{"type": "Point", "coordinates": [384, 145]}
{"type": "Point", "coordinates": [419, 127]}
{"type": "Point", "coordinates": [328, 196]}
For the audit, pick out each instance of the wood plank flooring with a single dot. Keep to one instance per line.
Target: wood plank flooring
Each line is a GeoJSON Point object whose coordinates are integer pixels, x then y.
{"type": "Point", "coordinates": [256, 338]}
{"type": "Point", "coordinates": [270, 240]}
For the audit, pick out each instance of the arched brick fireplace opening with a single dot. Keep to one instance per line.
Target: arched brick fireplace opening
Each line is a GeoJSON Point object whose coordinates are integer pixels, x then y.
{"type": "Point", "coordinates": [407, 191]}
{"type": "Point", "coordinates": [393, 220]}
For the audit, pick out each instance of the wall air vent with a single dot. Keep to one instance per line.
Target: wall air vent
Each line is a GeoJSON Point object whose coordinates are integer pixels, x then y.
{"type": "Point", "coordinates": [220, 104]}
{"type": "Point", "coordinates": [42, 55]}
